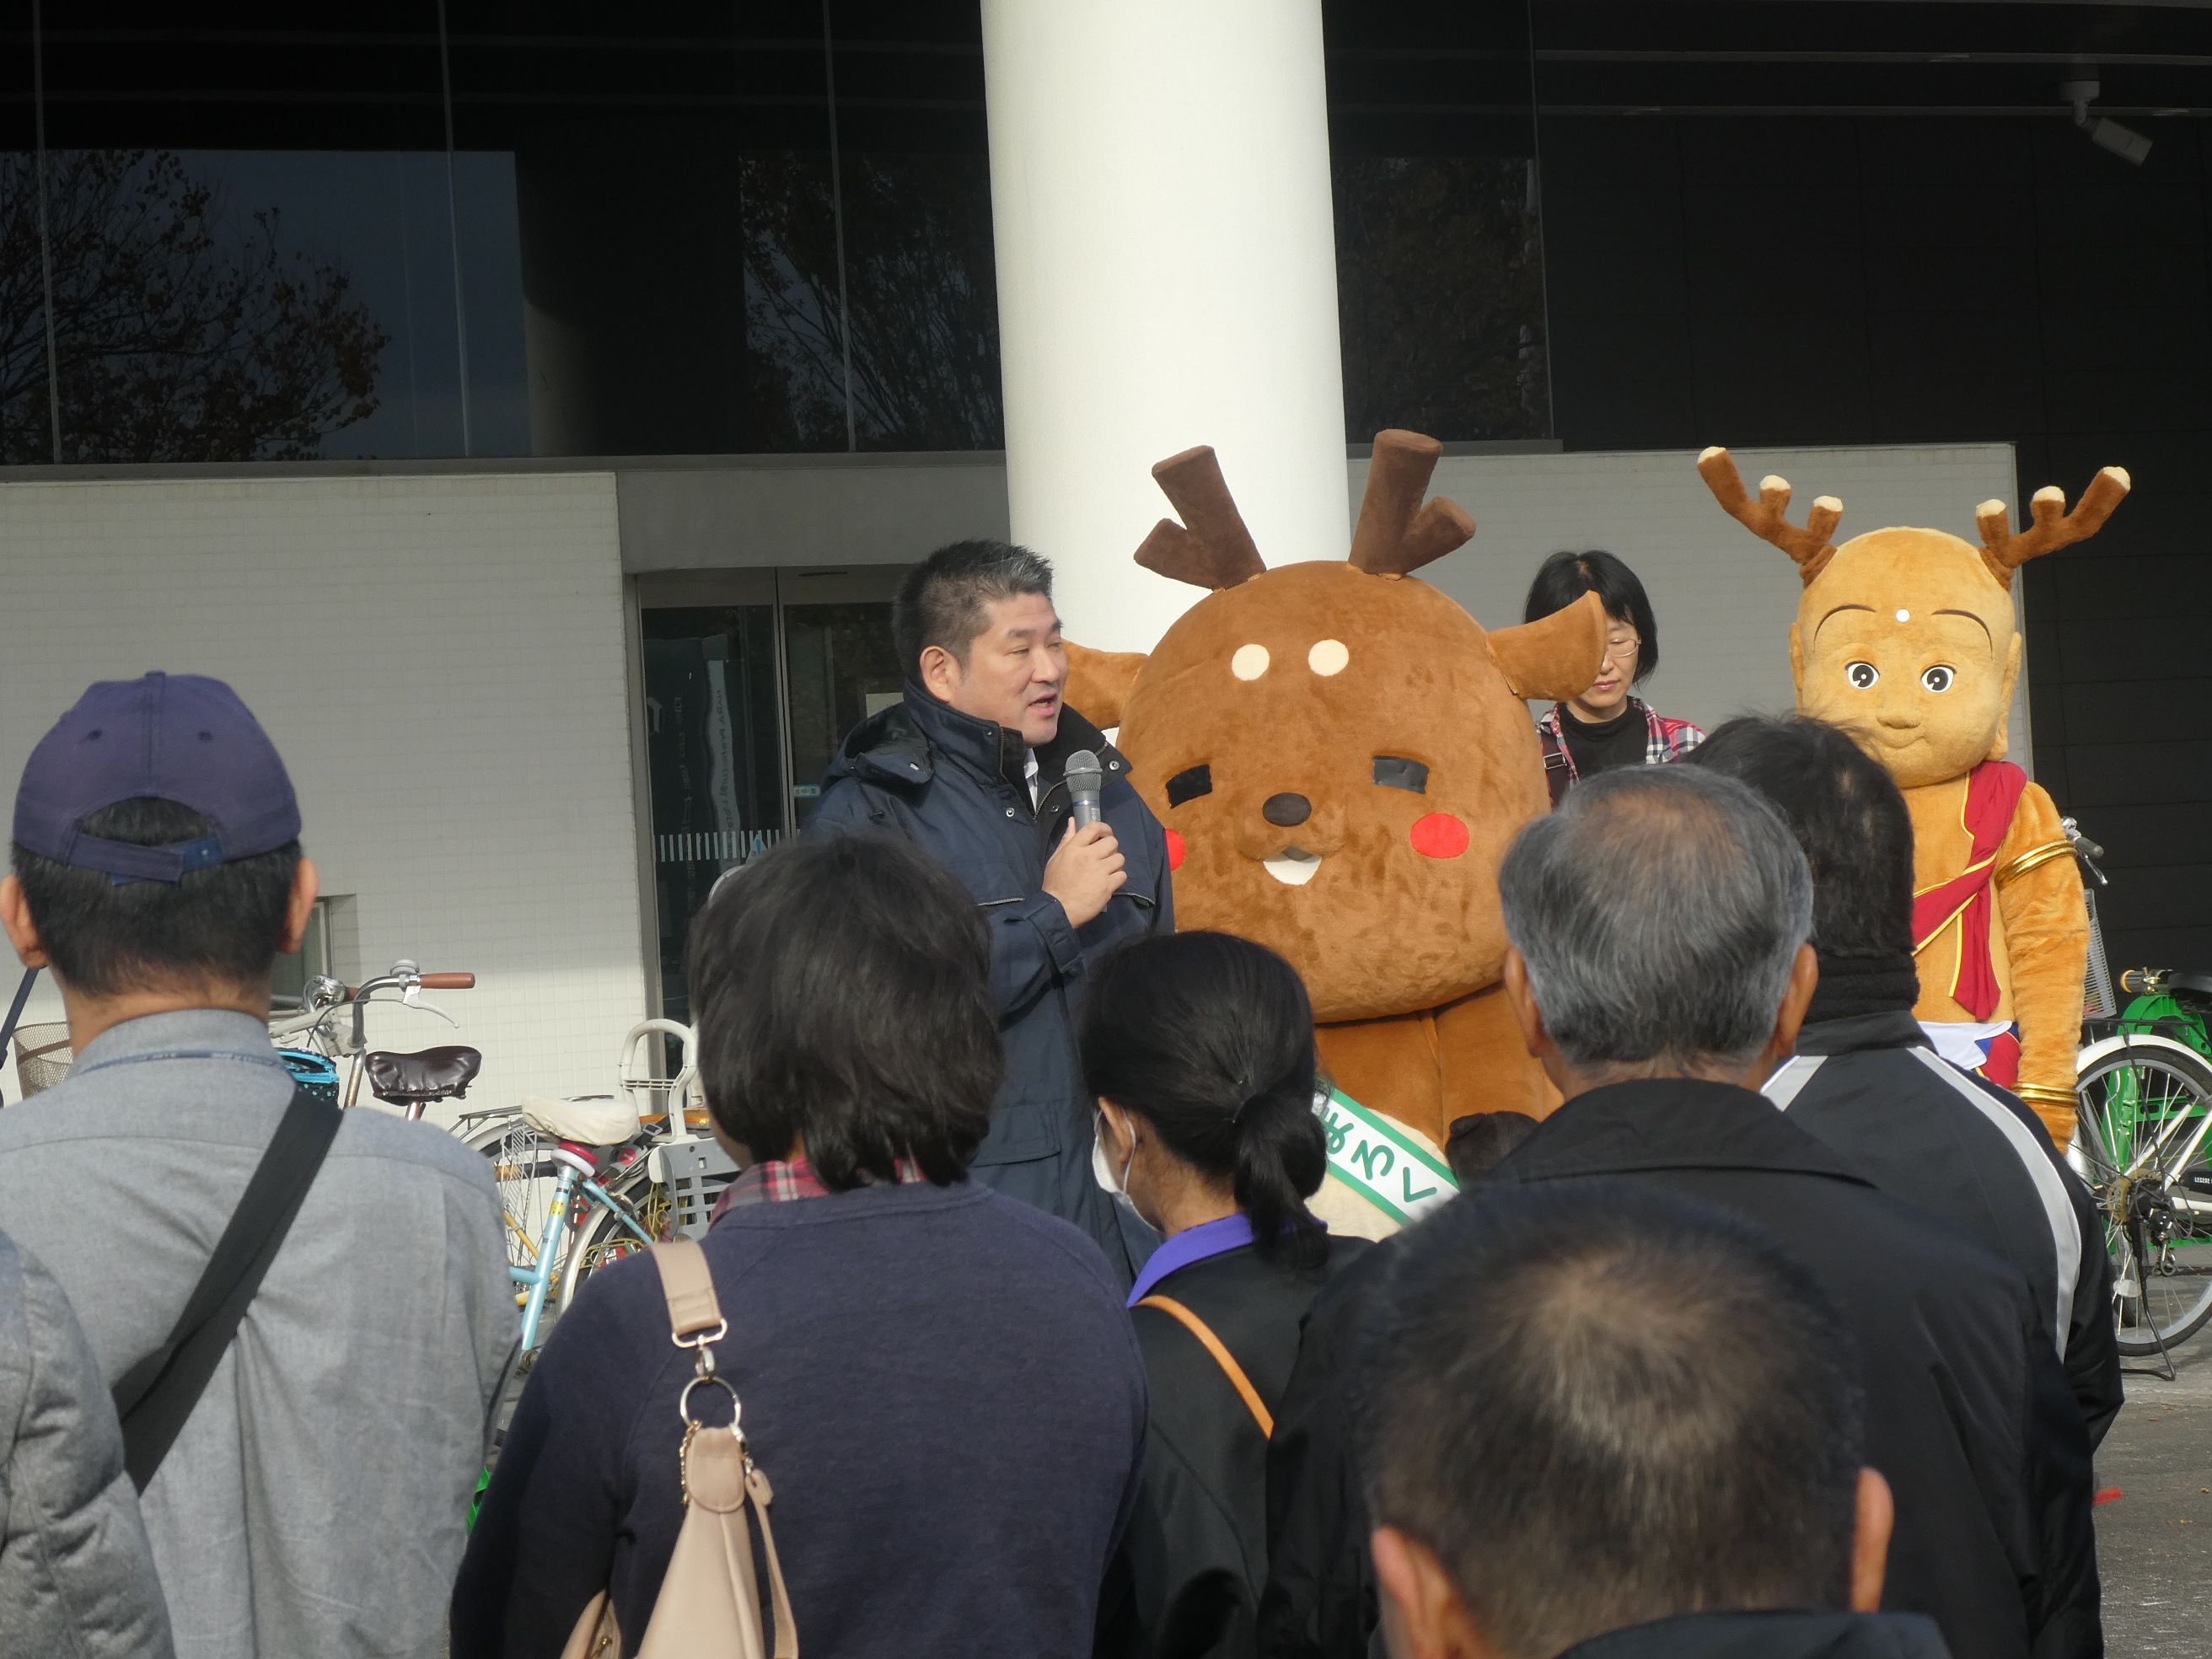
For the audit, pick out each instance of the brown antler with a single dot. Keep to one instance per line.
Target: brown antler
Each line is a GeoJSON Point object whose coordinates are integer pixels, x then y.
{"type": "Point", "coordinates": [2054, 527]}
{"type": "Point", "coordinates": [1395, 532]}
{"type": "Point", "coordinates": [1768, 518]}
{"type": "Point", "coordinates": [1216, 550]}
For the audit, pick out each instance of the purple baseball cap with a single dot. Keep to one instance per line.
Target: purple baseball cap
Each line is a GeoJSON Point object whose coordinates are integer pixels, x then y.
{"type": "Point", "coordinates": [180, 738]}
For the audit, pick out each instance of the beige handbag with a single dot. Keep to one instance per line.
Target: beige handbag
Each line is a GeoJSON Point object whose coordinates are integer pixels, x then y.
{"type": "Point", "coordinates": [708, 1606]}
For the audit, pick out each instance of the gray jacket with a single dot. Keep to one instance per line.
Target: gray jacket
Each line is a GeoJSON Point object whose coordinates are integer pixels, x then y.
{"type": "Point", "coordinates": [315, 1503]}
{"type": "Point", "coordinates": [76, 1579]}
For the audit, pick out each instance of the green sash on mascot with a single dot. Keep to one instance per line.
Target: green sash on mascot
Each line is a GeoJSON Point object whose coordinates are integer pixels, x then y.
{"type": "Point", "coordinates": [1368, 1154]}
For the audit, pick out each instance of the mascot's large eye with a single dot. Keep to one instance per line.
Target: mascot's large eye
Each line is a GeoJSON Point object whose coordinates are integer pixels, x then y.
{"type": "Point", "coordinates": [1190, 784]}
{"type": "Point", "coordinates": [1396, 772]}
{"type": "Point", "coordinates": [1939, 678]}
{"type": "Point", "coordinates": [1861, 674]}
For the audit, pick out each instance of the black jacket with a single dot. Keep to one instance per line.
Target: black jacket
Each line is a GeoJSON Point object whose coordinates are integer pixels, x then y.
{"type": "Point", "coordinates": [953, 785]}
{"type": "Point", "coordinates": [1968, 1414]}
{"type": "Point", "coordinates": [1195, 1554]}
{"type": "Point", "coordinates": [1964, 1151]}
{"type": "Point", "coordinates": [1771, 1636]}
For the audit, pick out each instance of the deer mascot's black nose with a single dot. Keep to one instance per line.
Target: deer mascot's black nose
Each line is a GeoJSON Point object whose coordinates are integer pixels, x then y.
{"type": "Point", "coordinates": [1286, 810]}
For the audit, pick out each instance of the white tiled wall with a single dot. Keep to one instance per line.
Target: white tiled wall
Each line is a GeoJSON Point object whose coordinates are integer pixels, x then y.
{"type": "Point", "coordinates": [440, 662]}
{"type": "Point", "coordinates": [1724, 599]}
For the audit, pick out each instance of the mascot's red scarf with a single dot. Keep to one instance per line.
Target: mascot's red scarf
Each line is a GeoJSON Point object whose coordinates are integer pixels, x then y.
{"type": "Point", "coordinates": [1993, 790]}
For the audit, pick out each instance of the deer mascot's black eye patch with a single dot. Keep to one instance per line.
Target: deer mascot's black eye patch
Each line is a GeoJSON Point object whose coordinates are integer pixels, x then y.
{"type": "Point", "coordinates": [1396, 772]}
{"type": "Point", "coordinates": [1190, 784]}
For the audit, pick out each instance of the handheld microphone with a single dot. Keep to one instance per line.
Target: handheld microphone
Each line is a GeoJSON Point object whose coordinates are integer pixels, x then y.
{"type": "Point", "coordinates": [1085, 780]}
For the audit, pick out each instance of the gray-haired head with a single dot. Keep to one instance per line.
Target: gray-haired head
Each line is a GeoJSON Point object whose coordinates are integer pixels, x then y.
{"type": "Point", "coordinates": [945, 600]}
{"type": "Point", "coordinates": [1659, 911]}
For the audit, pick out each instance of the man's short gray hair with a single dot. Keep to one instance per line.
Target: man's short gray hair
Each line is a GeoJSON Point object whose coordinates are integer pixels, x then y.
{"type": "Point", "coordinates": [1660, 911]}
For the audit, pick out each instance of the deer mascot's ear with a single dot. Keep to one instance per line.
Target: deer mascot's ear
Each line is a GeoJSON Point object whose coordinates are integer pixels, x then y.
{"type": "Point", "coordinates": [1098, 683]}
{"type": "Point", "coordinates": [1556, 657]}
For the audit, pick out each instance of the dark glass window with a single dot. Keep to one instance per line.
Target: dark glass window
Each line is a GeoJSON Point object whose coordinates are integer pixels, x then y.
{"type": "Point", "coordinates": [1439, 240]}
{"type": "Point", "coordinates": [26, 422]}
{"type": "Point", "coordinates": [677, 265]}
{"type": "Point", "coordinates": [251, 234]}
{"type": "Point", "coordinates": [916, 181]}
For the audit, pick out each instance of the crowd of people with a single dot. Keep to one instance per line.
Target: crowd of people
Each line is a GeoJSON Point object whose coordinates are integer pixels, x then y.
{"type": "Point", "coordinates": [1780, 1336]}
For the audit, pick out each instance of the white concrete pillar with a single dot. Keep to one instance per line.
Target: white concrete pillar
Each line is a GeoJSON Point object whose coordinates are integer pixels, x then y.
{"type": "Point", "coordinates": [1167, 277]}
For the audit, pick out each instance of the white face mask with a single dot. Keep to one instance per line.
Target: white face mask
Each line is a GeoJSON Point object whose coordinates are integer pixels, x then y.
{"type": "Point", "coordinates": [1101, 1168]}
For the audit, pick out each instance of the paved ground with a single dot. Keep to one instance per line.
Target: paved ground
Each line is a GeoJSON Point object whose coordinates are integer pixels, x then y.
{"type": "Point", "coordinates": [2154, 1542]}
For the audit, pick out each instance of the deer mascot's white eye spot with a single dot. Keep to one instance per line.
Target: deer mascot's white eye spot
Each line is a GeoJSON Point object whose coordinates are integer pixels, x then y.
{"type": "Point", "coordinates": [1249, 662]}
{"type": "Point", "coordinates": [1861, 674]}
{"type": "Point", "coordinates": [1328, 657]}
{"type": "Point", "coordinates": [1939, 678]}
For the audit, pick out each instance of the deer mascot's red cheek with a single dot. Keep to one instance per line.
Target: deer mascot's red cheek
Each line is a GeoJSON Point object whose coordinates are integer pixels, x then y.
{"type": "Point", "coordinates": [1176, 849]}
{"type": "Point", "coordinates": [1439, 836]}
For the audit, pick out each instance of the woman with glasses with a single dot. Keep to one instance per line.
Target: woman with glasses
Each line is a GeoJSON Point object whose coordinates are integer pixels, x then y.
{"type": "Point", "coordinates": [1605, 727]}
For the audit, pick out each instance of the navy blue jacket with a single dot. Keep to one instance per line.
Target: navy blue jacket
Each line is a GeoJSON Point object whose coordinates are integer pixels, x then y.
{"type": "Point", "coordinates": [940, 1384]}
{"type": "Point", "coordinates": [953, 785]}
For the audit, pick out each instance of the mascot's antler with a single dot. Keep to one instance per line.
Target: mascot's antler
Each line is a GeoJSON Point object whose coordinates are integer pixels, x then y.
{"type": "Point", "coordinates": [1216, 550]}
{"type": "Point", "coordinates": [2054, 527]}
{"type": "Point", "coordinates": [1768, 518]}
{"type": "Point", "coordinates": [1395, 534]}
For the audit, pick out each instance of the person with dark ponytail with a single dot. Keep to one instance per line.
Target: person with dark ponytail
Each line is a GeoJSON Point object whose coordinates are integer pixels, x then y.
{"type": "Point", "coordinates": [1199, 1048]}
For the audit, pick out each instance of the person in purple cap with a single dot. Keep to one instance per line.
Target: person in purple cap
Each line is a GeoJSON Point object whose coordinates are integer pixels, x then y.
{"type": "Point", "coordinates": [303, 1468]}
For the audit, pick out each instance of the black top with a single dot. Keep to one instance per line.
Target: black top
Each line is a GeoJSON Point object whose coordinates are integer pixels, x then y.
{"type": "Point", "coordinates": [1196, 1551]}
{"type": "Point", "coordinates": [1618, 742]}
{"type": "Point", "coordinates": [952, 786]}
{"type": "Point", "coordinates": [1956, 1146]}
{"type": "Point", "coordinates": [938, 1382]}
{"type": "Point", "coordinates": [1769, 1635]}
{"type": "Point", "coordinates": [1968, 1414]}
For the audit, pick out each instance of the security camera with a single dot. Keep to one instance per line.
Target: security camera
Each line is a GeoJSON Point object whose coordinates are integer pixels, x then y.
{"type": "Point", "coordinates": [2123, 142]}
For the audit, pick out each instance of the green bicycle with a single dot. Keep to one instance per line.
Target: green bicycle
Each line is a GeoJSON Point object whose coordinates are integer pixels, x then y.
{"type": "Point", "coordinates": [2142, 1112]}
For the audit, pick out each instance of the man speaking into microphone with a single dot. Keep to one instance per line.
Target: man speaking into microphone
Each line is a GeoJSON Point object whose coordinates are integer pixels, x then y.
{"type": "Point", "coordinates": [984, 767]}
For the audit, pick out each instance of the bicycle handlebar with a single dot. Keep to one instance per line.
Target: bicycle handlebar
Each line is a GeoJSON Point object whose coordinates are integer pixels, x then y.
{"type": "Point", "coordinates": [447, 982]}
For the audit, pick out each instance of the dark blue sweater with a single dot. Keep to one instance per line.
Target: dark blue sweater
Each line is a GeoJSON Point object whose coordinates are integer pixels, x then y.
{"type": "Point", "coordinates": [939, 1382]}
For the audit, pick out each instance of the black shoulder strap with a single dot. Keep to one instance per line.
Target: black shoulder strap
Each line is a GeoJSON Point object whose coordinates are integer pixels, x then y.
{"type": "Point", "coordinates": [1556, 775]}
{"type": "Point", "coordinates": [156, 1396]}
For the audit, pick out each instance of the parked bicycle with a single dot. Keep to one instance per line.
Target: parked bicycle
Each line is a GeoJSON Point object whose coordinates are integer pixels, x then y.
{"type": "Point", "coordinates": [2143, 1112]}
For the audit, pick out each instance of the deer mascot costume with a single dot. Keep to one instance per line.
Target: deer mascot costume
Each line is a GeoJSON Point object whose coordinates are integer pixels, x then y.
{"type": "Point", "coordinates": [1906, 637]}
{"type": "Point", "coordinates": [1341, 756]}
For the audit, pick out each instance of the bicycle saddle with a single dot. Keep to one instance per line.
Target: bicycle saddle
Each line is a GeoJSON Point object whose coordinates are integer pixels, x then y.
{"type": "Point", "coordinates": [2191, 983]}
{"type": "Point", "coordinates": [589, 1121]}
{"type": "Point", "coordinates": [434, 1074]}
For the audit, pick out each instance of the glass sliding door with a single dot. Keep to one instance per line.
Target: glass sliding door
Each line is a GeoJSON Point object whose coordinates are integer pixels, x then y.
{"type": "Point", "coordinates": [713, 752]}
{"type": "Point", "coordinates": [752, 678]}
{"type": "Point", "coordinates": [839, 666]}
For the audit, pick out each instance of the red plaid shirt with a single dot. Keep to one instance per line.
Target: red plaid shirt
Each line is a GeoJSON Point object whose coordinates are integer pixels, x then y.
{"type": "Point", "coordinates": [776, 1180]}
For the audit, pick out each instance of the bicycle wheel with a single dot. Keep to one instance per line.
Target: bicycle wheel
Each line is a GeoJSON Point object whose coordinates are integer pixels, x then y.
{"type": "Point", "coordinates": [602, 1238]}
{"type": "Point", "coordinates": [2141, 1106]}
